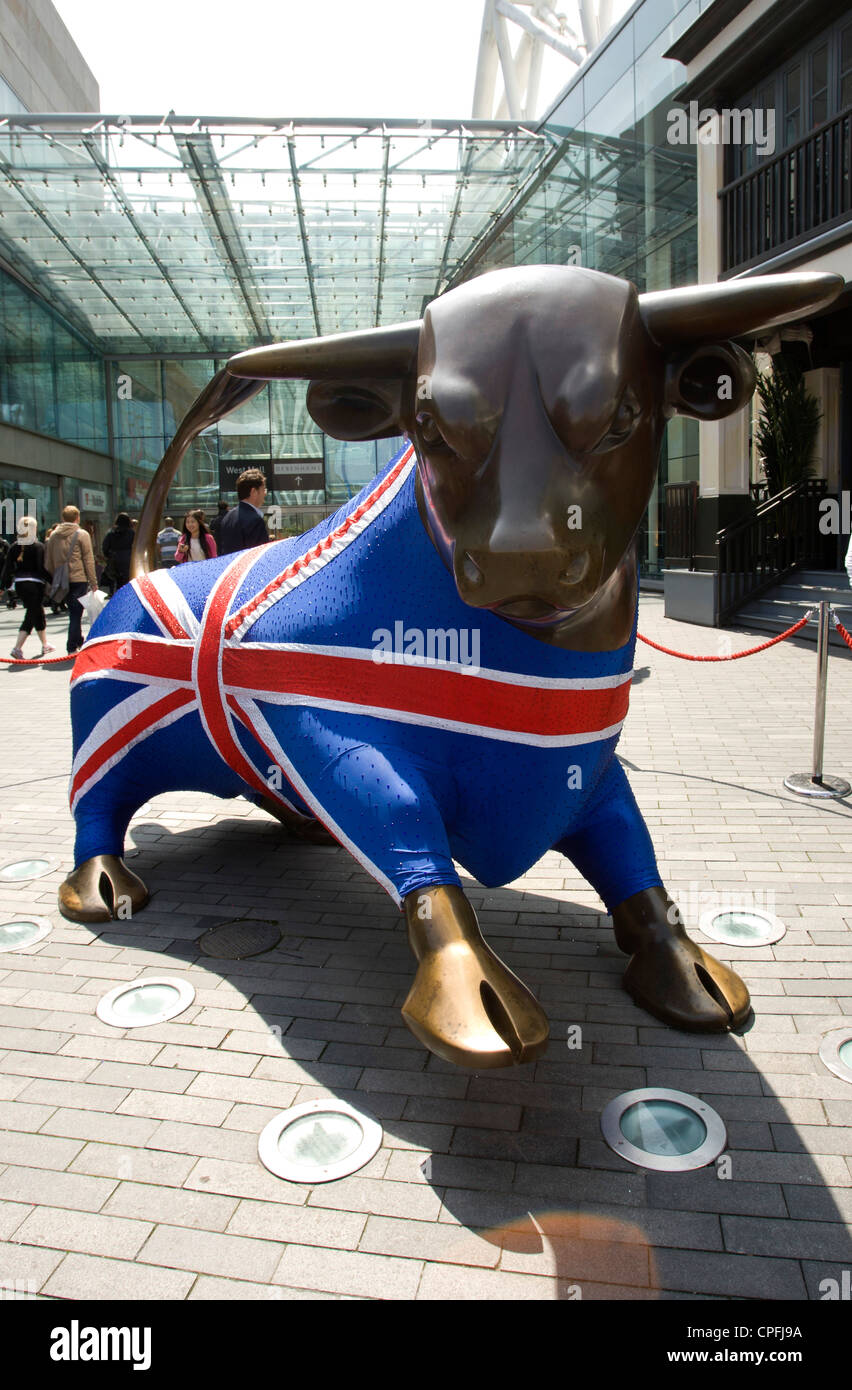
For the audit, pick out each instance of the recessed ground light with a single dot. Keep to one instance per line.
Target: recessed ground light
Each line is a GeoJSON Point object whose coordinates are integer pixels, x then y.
{"type": "Point", "coordinates": [669, 1131]}
{"type": "Point", "coordinates": [236, 940]}
{"type": "Point", "coordinates": [29, 868]}
{"type": "Point", "coordinates": [742, 926]}
{"type": "Point", "coordinates": [139, 1003]}
{"type": "Point", "coordinates": [24, 931]}
{"type": "Point", "coordinates": [318, 1142]}
{"type": "Point", "coordinates": [836, 1052]}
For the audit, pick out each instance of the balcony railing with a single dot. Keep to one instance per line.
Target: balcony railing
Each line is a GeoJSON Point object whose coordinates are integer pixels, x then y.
{"type": "Point", "coordinates": [760, 550]}
{"type": "Point", "coordinates": [805, 189]}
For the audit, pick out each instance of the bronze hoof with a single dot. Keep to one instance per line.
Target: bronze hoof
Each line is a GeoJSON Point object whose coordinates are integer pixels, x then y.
{"type": "Point", "coordinates": [669, 975]}
{"type": "Point", "coordinates": [464, 1004]}
{"type": "Point", "coordinates": [102, 890]}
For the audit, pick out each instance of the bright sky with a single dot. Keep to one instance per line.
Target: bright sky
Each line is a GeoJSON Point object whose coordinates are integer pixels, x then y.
{"type": "Point", "coordinates": [413, 58]}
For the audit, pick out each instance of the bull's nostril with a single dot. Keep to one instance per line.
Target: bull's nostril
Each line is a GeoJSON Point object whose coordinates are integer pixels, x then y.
{"type": "Point", "coordinates": [471, 571]}
{"type": "Point", "coordinates": [575, 570]}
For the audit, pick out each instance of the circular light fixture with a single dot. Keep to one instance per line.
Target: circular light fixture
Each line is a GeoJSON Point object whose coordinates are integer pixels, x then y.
{"type": "Point", "coordinates": [318, 1142]}
{"type": "Point", "coordinates": [835, 1052]}
{"type": "Point", "coordinates": [236, 940]}
{"type": "Point", "coordinates": [22, 932]}
{"type": "Point", "coordinates": [140, 1003]}
{"type": "Point", "coordinates": [668, 1131]}
{"type": "Point", "coordinates": [22, 869]}
{"type": "Point", "coordinates": [742, 926]}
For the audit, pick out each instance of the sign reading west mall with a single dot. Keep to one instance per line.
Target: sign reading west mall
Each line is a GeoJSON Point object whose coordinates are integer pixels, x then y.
{"type": "Point", "coordinates": [282, 475]}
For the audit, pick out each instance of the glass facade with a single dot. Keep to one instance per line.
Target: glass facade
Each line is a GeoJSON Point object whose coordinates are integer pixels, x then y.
{"type": "Point", "coordinates": [23, 497]}
{"type": "Point", "coordinates": [273, 431]}
{"type": "Point", "coordinates": [618, 197]}
{"type": "Point", "coordinates": [51, 381]}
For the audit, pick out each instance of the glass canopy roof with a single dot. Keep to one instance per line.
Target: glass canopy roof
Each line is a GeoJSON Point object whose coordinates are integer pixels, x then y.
{"type": "Point", "coordinates": [210, 235]}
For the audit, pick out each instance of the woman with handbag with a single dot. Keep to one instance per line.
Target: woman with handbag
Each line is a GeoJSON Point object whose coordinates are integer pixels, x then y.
{"type": "Point", "coordinates": [24, 567]}
{"type": "Point", "coordinates": [196, 543]}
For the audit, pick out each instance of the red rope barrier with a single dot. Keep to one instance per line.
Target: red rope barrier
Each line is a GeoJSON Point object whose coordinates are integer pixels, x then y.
{"type": "Point", "coordinates": [847, 637]}
{"type": "Point", "coordinates": [35, 660]}
{"type": "Point", "coordinates": [734, 656]}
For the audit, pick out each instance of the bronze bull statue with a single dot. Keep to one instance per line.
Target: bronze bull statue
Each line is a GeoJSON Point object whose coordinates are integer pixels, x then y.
{"type": "Point", "coordinates": [438, 673]}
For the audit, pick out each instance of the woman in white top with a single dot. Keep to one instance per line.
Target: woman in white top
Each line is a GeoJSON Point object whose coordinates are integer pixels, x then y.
{"type": "Point", "coordinates": [196, 543]}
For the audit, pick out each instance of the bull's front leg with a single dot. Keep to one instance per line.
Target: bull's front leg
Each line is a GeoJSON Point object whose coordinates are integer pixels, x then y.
{"type": "Point", "coordinates": [465, 1005]}
{"type": "Point", "coordinates": [668, 974]}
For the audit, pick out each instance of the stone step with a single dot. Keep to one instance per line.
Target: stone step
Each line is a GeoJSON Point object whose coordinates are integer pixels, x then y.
{"type": "Point", "coordinates": [766, 615]}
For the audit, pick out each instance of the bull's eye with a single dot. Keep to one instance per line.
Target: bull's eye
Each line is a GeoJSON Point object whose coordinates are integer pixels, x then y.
{"type": "Point", "coordinates": [623, 424]}
{"type": "Point", "coordinates": [429, 432]}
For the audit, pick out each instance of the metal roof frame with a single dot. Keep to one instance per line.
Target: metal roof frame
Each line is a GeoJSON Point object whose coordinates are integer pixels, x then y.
{"type": "Point", "coordinates": [237, 278]}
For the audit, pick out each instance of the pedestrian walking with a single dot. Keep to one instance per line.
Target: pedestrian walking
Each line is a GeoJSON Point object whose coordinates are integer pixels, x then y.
{"type": "Point", "coordinates": [71, 545]}
{"type": "Point", "coordinates": [167, 540]}
{"type": "Point", "coordinates": [244, 526]}
{"type": "Point", "coordinates": [213, 526]}
{"type": "Point", "coordinates": [25, 569]}
{"type": "Point", "coordinates": [196, 543]}
{"type": "Point", "coordinates": [118, 543]}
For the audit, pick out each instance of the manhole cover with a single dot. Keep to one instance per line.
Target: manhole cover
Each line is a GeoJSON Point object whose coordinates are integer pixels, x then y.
{"type": "Point", "coordinates": [236, 940]}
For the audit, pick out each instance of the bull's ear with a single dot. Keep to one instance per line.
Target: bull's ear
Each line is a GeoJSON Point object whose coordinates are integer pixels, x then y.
{"type": "Point", "coordinates": [365, 409]}
{"type": "Point", "coordinates": [709, 382]}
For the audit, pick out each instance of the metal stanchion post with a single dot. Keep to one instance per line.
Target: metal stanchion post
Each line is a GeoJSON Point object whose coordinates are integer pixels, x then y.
{"type": "Point", "coordinates": [817, 783]}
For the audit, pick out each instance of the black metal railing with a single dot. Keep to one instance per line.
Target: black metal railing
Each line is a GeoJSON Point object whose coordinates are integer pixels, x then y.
{"type": "Point", "coordinates": [681, 510]}
{"type": "Point", "coordinates": [760, 550]}
{"type": "Point", "coordinates": [806, 188]}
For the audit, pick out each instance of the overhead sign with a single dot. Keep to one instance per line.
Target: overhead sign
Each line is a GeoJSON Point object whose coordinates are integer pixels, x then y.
{"type": "Point", "coordinates": [282, 475]}
{"type": "Point", "coordinates": [300, 475]}
{"type": "Point", "coordinates": [92, 500]}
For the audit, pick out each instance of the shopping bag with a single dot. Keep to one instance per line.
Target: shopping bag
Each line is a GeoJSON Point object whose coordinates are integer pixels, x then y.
{"type": "Point", "coordinates": [92, 604]}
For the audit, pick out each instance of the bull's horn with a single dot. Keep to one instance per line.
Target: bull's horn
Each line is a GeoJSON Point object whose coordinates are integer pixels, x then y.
{"type": "Point", "coordinates": [708, 313]}
{"type": "Point", "coordinates": [219, 397]}
{"type": "Point", "coordinates": [371, 352]}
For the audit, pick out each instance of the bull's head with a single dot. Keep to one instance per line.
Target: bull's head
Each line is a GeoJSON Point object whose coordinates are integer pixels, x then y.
{"type": "Point", "coordinates": [536, 399]}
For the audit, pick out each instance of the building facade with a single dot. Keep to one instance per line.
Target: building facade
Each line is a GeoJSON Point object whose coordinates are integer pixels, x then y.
{"type": "Point", "coordinates": [774, 194]}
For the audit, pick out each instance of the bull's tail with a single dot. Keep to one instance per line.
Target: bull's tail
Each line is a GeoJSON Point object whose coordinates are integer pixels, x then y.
{"type": "Point", "coordinates": [384, 353]}
{"type": "Point", "coordinates": [221, 395]}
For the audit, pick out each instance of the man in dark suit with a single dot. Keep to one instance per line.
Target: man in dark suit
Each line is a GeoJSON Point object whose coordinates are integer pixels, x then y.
{"type": "Point", "coordinates": [244, 526]}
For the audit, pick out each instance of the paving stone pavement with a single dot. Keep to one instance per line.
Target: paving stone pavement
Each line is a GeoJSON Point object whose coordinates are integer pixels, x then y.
{"type": "Point", "coordinates": [128, 1160]}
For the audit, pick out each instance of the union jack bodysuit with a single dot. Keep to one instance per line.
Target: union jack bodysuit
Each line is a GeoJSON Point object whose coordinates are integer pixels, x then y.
{"type": "Point", "coordinates": [412, 757]}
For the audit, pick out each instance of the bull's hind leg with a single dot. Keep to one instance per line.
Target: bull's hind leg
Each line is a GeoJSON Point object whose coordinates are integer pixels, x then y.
{"type": "Point", "coordinates": [465, 1005]}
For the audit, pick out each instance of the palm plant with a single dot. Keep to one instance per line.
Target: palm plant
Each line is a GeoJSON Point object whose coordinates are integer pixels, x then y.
{"type": "Point", "coordinates": [789, 424]}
